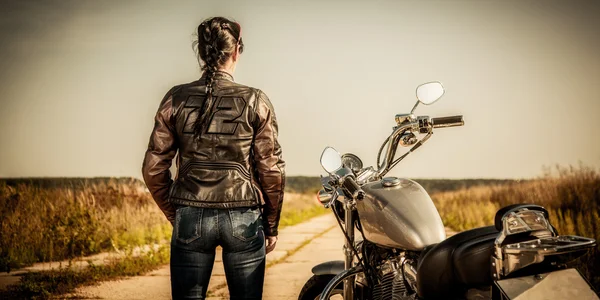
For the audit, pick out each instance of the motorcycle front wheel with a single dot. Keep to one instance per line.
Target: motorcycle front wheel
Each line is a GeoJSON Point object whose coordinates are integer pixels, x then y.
{"type": "Point", "coordinates": [315, 285]}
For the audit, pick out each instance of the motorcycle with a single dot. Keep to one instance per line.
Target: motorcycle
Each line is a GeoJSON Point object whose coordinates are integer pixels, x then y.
{"type": "Point", "coordinates": [403, 252]}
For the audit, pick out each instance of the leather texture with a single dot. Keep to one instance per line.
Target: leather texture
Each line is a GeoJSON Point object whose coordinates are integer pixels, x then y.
{"type": "Point", "coordinates": [236, 162]}
{"type": "Point", "coordinates": [457, 263]}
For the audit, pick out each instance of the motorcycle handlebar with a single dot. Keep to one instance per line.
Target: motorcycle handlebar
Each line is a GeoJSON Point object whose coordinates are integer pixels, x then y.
{"type": "Point", "coordinates": [447, 121]}
{"type": "Point", "coordinates": [353, 188]}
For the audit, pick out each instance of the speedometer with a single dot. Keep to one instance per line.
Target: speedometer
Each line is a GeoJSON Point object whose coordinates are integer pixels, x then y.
{"type": "Point", "coordinates": [352, 162]}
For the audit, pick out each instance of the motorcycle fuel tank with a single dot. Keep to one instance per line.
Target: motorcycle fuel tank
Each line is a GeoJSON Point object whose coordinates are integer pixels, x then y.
{"type": "Point", "coordinates": [399, 213]}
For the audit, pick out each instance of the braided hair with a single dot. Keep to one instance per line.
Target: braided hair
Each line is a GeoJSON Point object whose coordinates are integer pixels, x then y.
{"type": "Point", "coordinates": [218, 39]}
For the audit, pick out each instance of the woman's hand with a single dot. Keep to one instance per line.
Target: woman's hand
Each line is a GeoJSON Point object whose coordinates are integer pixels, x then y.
{"type": "Point", "coordinates": [270, 242]}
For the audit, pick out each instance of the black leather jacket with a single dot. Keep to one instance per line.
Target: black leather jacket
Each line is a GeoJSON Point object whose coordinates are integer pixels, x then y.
{"type": "Point", "coordinates": [235, 163]}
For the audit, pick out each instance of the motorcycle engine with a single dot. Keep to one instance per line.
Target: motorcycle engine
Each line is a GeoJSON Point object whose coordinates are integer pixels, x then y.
{"type": "Point", "coordinates": [391, 283]}
{"type": "Point", "coordinates": [391, 278]}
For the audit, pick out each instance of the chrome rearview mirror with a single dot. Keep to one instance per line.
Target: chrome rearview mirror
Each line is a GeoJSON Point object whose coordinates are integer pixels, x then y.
{"type": "Point", "coordinates": [331, 160]}
{"type": "Point", "coordinates": [429, 92]}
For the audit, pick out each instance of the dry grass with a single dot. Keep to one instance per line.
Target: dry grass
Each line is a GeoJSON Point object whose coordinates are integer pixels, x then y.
{"type": "Point", "coordinates": [45, 224]}
{"type": "Point", "coordinates": [53, 283]}
{"type": "Point", "coordinates": [57, 219]}
{"type": "Point", "coordinates": [49, 220]}
{"type": "Point", "coordinates": [571, 195]}
{"type": "Point", "coordinates": [298, 208]}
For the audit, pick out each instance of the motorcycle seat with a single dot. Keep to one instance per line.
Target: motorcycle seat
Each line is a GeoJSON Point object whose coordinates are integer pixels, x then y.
{"type": "Point", "coordinates": [456, 264]}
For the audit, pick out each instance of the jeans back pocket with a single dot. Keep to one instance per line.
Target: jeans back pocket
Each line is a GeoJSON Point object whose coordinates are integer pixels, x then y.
{"type": "Point", "coordinates": [188, 224]}
{"type": "Point", "coordinates": [245, 223]}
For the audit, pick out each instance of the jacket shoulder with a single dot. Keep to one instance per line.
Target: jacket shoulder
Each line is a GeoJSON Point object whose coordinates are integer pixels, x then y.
{"type": "Point", "coordinates": [263, 98]}
{"type": "Point", "coordinates": [242, 88]}
{"type": "Point", "coordinates": [180, 94]}
{"type": "Point", "coordinates": [251, 94]}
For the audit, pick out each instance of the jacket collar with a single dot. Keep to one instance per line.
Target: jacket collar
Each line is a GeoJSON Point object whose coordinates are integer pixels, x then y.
{"type": "Point", "coordinates": [219, 75]}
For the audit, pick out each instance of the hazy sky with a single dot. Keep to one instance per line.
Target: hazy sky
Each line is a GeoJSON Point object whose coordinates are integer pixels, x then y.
{"type": "Point", "coordinates": [81, 80]}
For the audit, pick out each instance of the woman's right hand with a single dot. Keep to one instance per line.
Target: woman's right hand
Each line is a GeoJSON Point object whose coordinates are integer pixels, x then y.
{"type": "Point", "coordinates": [270, 242]}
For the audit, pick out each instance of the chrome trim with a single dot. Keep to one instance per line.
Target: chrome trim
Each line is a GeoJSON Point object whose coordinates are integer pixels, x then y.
{"type": "Point", "coordinates": [404, 118]}
{"type": "Point", "coordinates": [424, 139]}
{"type": "Point", "coordinates": [348, 247]}
{"type": "Point", "coordinates": [390, 181]}
{"type": "Point", "coordinates": [415, 107]}
{"type": "Point", "coordinates": [410, 273]}
{"type": "Point", "coordinates": [408, 139]}
{"type": "Point", "coordinates": [398, 130]}
{"type": "Point", "coordinates": [520, 255]}
{"type": "Point", "coordinates": [399, 159]}
{"type": "Point", "coordinates": [512, 257]}
{"type": "Point", "coordinates": [365, 175]}
{"type": "Point", "coordinates": [325, 197]}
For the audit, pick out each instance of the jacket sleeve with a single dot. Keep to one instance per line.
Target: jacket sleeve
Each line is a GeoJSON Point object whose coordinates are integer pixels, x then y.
{"type": "Point", "coordinates": [269, 163]}
{"type": "Point", "coordinates": [157, 161]}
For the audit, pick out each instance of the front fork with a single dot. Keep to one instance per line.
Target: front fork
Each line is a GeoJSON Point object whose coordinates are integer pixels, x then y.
{"type": "Point", "coordinates": [348, 247]}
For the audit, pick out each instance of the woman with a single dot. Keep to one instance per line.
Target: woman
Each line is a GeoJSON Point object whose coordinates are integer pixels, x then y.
{"type": "Point", "coordinates": [229, 166]}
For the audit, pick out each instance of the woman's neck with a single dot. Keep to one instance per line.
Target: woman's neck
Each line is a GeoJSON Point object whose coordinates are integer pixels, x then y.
{"type": "Point", "coordinates": [226, 71]}
{"type": "Point", "coordinates": [229, 67]}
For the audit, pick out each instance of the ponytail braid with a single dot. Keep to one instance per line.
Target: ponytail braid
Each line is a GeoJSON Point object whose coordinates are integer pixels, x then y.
{"type": "Point", "coordinates": [216, 44]}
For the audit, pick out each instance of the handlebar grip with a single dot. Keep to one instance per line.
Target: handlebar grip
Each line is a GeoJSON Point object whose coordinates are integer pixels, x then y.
{"type": "Point", "coordinates": [448, 121]}
{"type": "Point", "coordinates": [353, 188]}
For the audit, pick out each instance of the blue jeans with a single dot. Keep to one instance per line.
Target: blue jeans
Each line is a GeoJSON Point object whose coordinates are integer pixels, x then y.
{"type": "Point", "coordinates": [196, 234]}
